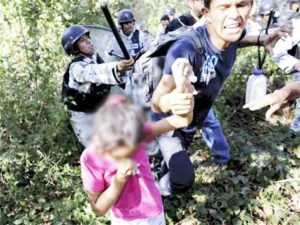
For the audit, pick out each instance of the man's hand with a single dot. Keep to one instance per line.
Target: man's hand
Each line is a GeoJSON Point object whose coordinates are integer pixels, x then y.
{"type": "Point", "coordinates": [179, 103]}
{"type": "Point", "coordinates": [274, 100]}
{"type": "Point", "coordinates": [184, 76]}
{"type": "Point", "coordinates": [126, 169]}
{"type": "Point", "coordinates": [283, 32]}
{"type": "Point", "coordinates": [124, 65]}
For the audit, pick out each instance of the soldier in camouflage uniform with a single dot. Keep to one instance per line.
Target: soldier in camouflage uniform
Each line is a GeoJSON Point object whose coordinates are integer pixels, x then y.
{"type": "Point", "coordinates": [286, 54]}
{"type": "Point", "coordinates": [87, 80]}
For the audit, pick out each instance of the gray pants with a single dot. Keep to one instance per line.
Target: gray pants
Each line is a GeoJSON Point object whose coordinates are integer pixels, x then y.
{"type": "Point", "coordinates": [295, 125]}
{"type": "Point", "coordinates": [82, 124]}
{"type": "Point", "coordinates": [181, 175]}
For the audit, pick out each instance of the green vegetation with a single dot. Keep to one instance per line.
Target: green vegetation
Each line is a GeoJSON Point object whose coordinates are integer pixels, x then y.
{"type": "Point", "coordinates": [39, 169]}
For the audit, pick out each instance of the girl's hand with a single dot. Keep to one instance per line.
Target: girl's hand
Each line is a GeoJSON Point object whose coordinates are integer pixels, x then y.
{"type": "Point", "coordinates": [126, 169]}
{"type": "Point", "coordinates": [184, 76]}
{"type": "Point", "coordinates": [125, 65]}
{"type": "Point", "coordinates": [274, 100]}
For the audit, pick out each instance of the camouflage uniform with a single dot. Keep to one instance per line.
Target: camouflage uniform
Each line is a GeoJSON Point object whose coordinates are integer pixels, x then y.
{"type": "Point", "coordinates": [82, 75]}
{"type": "Point", "coordinates": [286, 61]}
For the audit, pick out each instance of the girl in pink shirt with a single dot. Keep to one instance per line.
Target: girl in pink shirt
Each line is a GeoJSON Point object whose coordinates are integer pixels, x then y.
{"type": "Point", "coordinates": [115, 169]}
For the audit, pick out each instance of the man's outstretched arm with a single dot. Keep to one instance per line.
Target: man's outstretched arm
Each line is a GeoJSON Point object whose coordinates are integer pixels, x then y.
{"type": "Point", "coordinates": [276, 99]}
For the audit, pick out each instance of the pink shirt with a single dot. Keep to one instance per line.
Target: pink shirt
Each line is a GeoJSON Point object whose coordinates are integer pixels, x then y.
{"type": "Point", "coordinates": [140, 197]}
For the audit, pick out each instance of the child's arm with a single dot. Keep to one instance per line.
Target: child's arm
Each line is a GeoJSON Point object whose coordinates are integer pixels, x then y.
{"type": "Point", "coordinates": [105, 73]}
{"type": "Point", "coordinates": [183, 74]}
{"type": "Point", "coordinates": [102, 202]}
{"type": "Point", "coordinates": [170, 123]}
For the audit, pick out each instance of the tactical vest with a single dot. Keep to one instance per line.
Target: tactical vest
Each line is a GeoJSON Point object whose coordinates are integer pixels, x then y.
{"type": "Point", "coordinates": [136, 41]}
{"type": "Point", "coordinates": [79, 101]}
{"type": "Point", "coordinates": [295, 51]}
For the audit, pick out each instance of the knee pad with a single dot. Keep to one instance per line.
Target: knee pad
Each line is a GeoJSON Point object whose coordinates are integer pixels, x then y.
{"type": "Point", "coordinates": [182, 173]}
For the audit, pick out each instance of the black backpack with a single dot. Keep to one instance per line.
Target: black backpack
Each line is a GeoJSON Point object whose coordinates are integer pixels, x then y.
{"type": "Point", "coordinates": [148, 69]}
{"type": "Point", "coordinates": [79, 101]}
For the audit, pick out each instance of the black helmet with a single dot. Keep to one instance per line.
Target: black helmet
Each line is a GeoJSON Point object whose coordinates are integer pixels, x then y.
{"type": "Point", "coordinates": [71, 35]}
{"type": "Point", "coordinates": [125, 16]}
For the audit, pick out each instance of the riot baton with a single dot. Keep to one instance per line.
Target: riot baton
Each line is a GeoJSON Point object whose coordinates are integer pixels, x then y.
{"type": "Point", "coordinates": [115, 31]}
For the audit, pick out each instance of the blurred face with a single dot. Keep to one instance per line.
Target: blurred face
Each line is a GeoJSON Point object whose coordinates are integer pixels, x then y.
{"type": "Point", "coordinates": [196, 7]}
{"type": "Point", "coordinates": [127, 28]}
{"type": "Point", "coordinates": [172, 16]}
{"type": "Point", "coordinates": [119, 153]}
{"type": "Point", "coordinates": [85, 46]}
{"type": "Point", "coordinates": [165, 23]}
{"type": "Point", "coordinates": [226, 20]}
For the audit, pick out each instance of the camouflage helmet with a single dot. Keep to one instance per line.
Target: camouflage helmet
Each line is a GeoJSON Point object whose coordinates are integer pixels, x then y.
{"type": "Point", "coordinates": [266, 6]}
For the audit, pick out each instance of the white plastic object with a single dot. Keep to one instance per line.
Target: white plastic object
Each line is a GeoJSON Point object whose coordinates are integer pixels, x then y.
{"type": "Point", "coordinates": [257, 85]}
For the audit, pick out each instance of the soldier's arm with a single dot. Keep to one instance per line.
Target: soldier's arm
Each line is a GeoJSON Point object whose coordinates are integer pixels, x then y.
{"type": "Point", "coordinates": [106, 73]}
{"type": "Point", "coordinates": [282, 58]}
{"type": "Point", "coordinates": [268, 41]}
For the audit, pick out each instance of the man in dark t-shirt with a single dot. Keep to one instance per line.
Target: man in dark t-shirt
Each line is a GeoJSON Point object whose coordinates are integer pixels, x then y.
{"type": "Point", "coordinates": [189, 18]}
{"type": "Point", "coordinates": [211, 129]}
{"type": "Point", "coordinates": [220, 38]}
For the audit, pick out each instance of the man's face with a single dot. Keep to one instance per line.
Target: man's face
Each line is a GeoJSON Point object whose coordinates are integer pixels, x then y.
{"type": "Point", "coordinates": [172, 16]}
{"type": "Point", "coordinates": [165, 23]}
{"type": "Point", "coordinates": [196, 6]}
{"type": "Point", "coordinates": [127, 28]}
{"type": "Point", "coordinates": [85, 45]}
{"type": "Point", "coordinates": [227, 18]}
{"type": "Point", "coordinates": [294, 6]}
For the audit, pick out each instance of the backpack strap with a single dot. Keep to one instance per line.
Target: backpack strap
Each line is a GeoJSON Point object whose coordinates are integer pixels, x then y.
{"type": "Point", "coordinates": [180, 21]}
{"type": "Point", "coordinates": [195, 39]}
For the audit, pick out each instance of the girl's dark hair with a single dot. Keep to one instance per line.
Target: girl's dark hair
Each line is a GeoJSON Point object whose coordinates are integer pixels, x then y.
{"type": "Point", "coordinates": [165, 17]}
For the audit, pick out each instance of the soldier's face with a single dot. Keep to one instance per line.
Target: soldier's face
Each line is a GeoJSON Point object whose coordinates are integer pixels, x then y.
{"type": "Point", "coordinates": [127, 28]}
{"type": "Point", "coordinates": [85, 45]}
{"type": "Point", "coordinates": [227, 18]}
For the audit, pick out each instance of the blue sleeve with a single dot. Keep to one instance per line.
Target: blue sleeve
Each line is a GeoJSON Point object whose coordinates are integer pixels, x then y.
{"type": "Point", "coordinates": [180, 49]}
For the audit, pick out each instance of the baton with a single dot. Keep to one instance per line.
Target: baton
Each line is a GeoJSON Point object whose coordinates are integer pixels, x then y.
{"type": "Point", "coordinates": [115, 31]}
